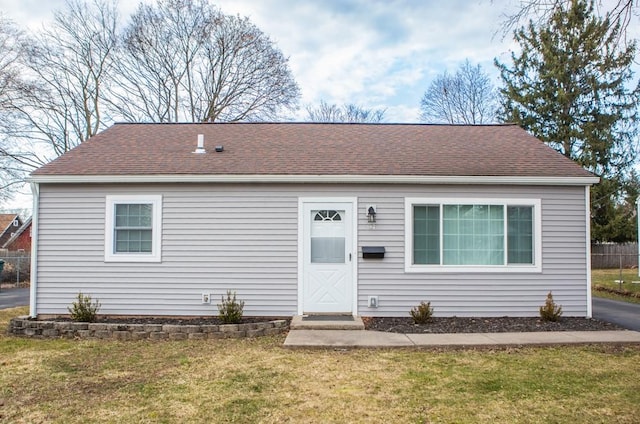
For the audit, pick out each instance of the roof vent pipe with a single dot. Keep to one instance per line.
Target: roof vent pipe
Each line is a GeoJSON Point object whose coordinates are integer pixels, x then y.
{"type": "Point", "coordinates": [200, 148]}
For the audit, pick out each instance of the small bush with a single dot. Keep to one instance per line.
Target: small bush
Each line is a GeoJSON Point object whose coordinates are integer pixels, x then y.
{"type": "Point", "coordinates": [550, 311]}
{"type": "Point", "coordinates": [83, 310]}
{"type": "Point", "coordinates": [230, 310]}
{"type": "Point", "coordinates": [422, 313]}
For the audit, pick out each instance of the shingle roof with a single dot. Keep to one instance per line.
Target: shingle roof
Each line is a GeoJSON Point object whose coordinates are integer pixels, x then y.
{"type": "Point", "coordinates": [314, 149]}
{"type": "Point", "coordinates": [6, 219]}
{"type": "Point", "coordinates": [21, 230]}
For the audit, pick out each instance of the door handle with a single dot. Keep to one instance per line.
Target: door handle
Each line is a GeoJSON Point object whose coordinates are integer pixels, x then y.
{"type": "Point", "coordinates": [349, 257]}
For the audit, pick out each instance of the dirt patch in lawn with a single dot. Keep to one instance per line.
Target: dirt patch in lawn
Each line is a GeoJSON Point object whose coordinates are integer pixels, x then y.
{"type": "Point", "coordinates": [485, 325]}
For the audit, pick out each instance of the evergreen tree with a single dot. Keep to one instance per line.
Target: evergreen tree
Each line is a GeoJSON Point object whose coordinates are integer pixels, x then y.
{"type": "Point", "coordinates": [613, 210]}
{"type": "Point", "coordinates": [569, 86]}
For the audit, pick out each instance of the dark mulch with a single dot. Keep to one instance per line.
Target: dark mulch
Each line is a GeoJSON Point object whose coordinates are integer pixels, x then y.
{"type": "Point", "coordinates": [485, 325]}
{"type": "Point", "coordinates": [171, 320]}
{"type": "Point", "coordinates": [400, 325]}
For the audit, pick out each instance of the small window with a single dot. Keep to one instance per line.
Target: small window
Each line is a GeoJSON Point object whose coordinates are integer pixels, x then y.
{"type": "Point", "coordinates": [133, 230]}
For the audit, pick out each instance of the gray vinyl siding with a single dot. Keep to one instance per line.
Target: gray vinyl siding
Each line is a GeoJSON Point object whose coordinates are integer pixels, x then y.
{"type": "Point", "coordinates": [245, 238]}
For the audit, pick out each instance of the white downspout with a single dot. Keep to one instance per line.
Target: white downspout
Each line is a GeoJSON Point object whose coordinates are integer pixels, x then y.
{"type": "Point", "coordinates": [35, 191]}
{"type": "Point", "coordinates": [587, 199]}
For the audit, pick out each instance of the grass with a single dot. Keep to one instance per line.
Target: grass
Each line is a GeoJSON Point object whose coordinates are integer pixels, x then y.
{"type": "Point", "coordinates": [607, 278]}
{"type": "Point", "coordinates": [257, 380]}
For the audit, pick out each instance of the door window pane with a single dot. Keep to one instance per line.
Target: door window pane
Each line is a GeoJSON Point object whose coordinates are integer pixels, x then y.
{"type": "Point", "coordinates": [327, 237]}
{"type": "Point", "coordinates": [326, 250]}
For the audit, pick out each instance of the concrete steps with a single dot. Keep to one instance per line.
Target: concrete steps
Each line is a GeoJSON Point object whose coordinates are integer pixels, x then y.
{"type": "Point", "coordinates": [323, 322]}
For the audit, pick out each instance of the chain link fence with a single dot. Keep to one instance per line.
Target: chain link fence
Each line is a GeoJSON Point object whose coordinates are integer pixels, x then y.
{"type": "Point", "coordinates": [17, 269]}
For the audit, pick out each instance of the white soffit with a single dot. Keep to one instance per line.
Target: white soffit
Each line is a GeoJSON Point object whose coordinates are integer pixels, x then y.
{"type": "Point", "coordinates": [333, 179]}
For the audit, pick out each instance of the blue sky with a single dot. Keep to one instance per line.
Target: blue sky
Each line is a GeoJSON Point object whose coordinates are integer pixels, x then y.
{"type": "Point", "coordinates": [377, 54]}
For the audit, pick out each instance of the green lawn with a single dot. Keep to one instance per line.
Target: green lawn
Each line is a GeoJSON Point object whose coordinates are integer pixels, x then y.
{"type": "Point", "coordinates": [258, 381]}
{"type": "Point", "coordinates": [607, 278]}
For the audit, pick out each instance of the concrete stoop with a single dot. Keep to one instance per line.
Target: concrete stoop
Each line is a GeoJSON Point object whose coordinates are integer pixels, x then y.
{"type": "Point", "coordinates": [301, 322]}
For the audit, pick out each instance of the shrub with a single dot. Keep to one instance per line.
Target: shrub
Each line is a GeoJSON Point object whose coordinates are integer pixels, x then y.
{"type": "Point", "coordinates": [550, 311]}
{"type": "Point", "coordinates": [230, 310]}
{"type": "Point", "coordinates": [83, 310]}
{"type": "Point", "coordinates": [422, 313]}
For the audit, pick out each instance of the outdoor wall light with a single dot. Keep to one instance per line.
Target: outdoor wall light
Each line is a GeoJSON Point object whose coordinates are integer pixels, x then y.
{"type": "Point", "coordinates": [371, 214]}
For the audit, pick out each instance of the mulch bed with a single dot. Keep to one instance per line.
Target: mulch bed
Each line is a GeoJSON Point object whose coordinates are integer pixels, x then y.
{"type": "Point", "coordinates": [401, 325]}
{"type": "Point", "coordinates": [485, 325]}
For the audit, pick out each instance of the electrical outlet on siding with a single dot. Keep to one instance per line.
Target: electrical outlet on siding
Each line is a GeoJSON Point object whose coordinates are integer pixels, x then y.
{"type": "Point", "coordinates": [206, 298]}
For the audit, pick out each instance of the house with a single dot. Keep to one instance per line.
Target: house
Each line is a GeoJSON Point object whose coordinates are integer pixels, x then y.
{"type": "Point", "coordinates": [9, 224]}
{"type": "Point", "coordinates": [21, 239]}
{"type": "Point", "coordinates": [300, 218]}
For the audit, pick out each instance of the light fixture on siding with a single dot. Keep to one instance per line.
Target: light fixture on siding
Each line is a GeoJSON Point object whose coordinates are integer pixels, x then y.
{"type": "Point", "coordinates": [200, 148]}
{"type": "Point", "coordinates": [371, 214]}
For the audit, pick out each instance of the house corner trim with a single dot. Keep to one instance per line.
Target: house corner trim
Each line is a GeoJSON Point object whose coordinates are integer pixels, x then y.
{"type": "Point", "coordinates": [33, 291]}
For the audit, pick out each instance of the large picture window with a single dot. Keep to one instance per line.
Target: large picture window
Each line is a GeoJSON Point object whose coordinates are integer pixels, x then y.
{"type": "Point", "coordinates": [473, 235]}
{"type": "Point", "coordinates": [133, 229]}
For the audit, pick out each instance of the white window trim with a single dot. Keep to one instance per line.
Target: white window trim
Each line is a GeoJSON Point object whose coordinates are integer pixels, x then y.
{"type": "Point", "coordinates": [409, 266]}
{"type": "Point", "coordinates": [156, 245]}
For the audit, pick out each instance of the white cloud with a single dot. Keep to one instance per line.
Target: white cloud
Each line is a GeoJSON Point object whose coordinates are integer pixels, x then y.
{"type": "Point", "coordinates": [373, 53]}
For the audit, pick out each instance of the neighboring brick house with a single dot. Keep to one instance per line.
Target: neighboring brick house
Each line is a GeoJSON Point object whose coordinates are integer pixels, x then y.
{"type": "Point", "coordinates": [21, 239]}
{"type": "Point", "coordinates": [10, 223]}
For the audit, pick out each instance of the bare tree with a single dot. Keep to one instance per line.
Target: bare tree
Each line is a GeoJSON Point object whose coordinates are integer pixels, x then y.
{"type": "Point", "coordinates": [620, 13]}
{"type": "Point", "coordinates": [158, 58]}
{"type": "Point", "coordinates": [13, 158]}
{"type": "Point", "coordinates": [10, 54]}
{"type": "Point", "coordinates": [349, 113]}
{"type": "Point", "coordinates": [56, 81]}
{"type": "Point", "coordinates": [185, 60]}
{"type": "Point", "coordinates": [69, 64]}
{"type": "Point", "coordinates": [467, 97]}
{"type": "Point", "coordinates": [244, 76]}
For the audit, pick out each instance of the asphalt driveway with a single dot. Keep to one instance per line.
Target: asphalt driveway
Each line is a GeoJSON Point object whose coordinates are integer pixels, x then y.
{"type": "Point", "coordinates": [10, 298]}
{"type": "Point", "coordinates": [624, 314]}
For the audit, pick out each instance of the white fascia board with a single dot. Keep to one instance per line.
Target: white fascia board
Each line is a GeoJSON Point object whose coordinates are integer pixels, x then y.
{"type": "Point", "coordinates": [358, 179]}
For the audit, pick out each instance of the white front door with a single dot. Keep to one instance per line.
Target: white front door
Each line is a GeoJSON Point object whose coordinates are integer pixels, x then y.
{"type": "Point", "coordinates": [327, 244]}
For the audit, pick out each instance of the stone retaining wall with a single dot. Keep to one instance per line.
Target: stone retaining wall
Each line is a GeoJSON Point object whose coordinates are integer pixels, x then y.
{"type": "Point", "coordinates": [24, 326]}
